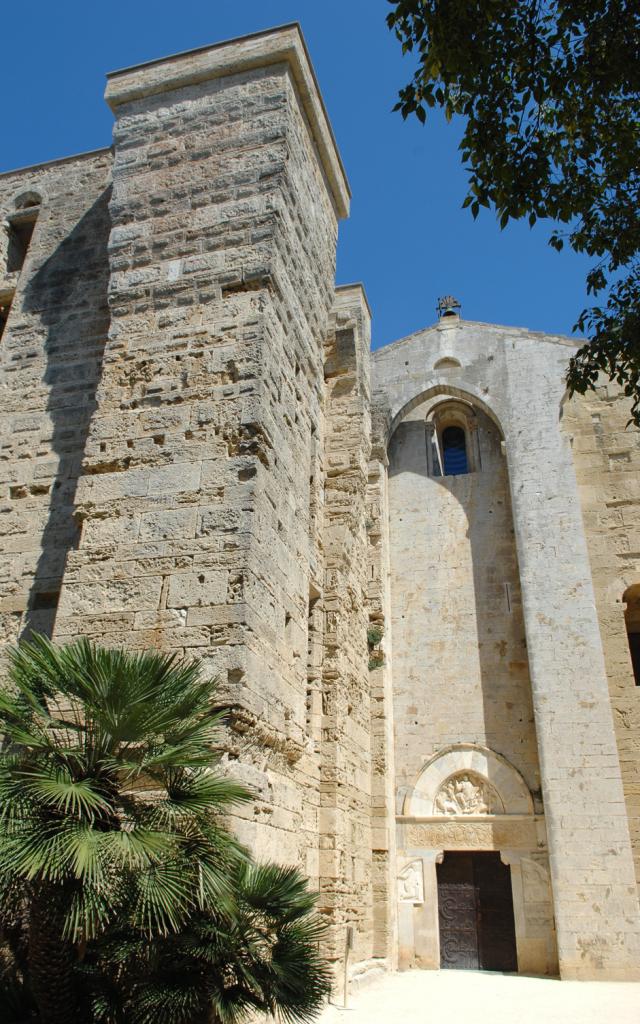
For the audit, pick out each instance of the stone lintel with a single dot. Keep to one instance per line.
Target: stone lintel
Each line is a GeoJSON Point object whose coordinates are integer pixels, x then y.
{"type": "Point", "coordinates": [470, 832]}
{"type": "Point", "coordinates": [263, 49]}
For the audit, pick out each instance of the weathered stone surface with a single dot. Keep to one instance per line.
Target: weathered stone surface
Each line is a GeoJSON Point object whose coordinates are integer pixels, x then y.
{"type": "Point", "coordinates": [606, 454]}
{"type": "Point", "coordinates": [198, 454]}
{"type": "Point", "coordinates": [523, 675]}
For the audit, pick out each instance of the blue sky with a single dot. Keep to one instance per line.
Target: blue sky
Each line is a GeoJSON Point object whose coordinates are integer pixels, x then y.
{"type": "Point", "coordinates": [407, 239]}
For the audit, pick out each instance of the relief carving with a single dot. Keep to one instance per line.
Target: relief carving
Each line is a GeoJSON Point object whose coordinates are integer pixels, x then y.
{"type": "Point", "coordinates": [411, 883]}
{"type": "Point", "coordinates": [467, 793]}
{"type": "Point", "coordinates": [477, 835]}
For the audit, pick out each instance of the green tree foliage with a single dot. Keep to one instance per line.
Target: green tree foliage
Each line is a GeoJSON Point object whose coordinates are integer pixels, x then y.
{"type": "Point", "coordinates": [262, 958]}
{"type": "Point", "coordinates": [549, 90]}
{"type": "Point", "coordinates": [114, 862]}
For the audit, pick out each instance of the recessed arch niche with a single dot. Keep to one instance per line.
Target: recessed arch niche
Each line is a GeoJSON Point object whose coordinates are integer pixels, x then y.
{"type": "Point", "coordinates": [27, 200]}
{"type": "Point", "coordinates": [459, 645]}
{"type": "Point", "coordinates": [447, 363]}
{"type": "Point", "coordinates": [448, 389]}
{"type": "Point", "coordinates": [460, 672]}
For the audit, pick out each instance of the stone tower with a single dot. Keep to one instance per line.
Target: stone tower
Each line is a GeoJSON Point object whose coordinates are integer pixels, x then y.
{"type": "Point", "coordinates": [426, 671]}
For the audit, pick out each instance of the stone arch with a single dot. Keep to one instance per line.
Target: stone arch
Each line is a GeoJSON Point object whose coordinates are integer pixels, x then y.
{"type": "Point", "coordinates": [447, 363]}
{"type": "Point", "coordinates": [468, 759]}
{"type": "Point", "coordinates": [27, 200]}
{"type": "Point", "coordinates": [468, 395]}
{"type": "Point", "coordinates": [455, 410]}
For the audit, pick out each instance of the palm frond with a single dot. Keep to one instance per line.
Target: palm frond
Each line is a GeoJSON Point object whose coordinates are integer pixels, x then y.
{"type": "Point", "coordinates": [139, 848]}
{"type": "Point", "coordinates": [279, 892]}
{"type": "Point", "coordinates": [54, 786]}
{"type": "Point", "coordinates": [164, 899]}
{"type": "Point", "coordinates": [91, 909]}
{"type": "Point", "coordinates": [204, 791]}
{"type": "Point", "coordinates": [111, 795]}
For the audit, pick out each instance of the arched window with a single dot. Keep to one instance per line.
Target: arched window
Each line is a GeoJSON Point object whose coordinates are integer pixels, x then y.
{"type": "Point", "coordinates": [631, 598]}
{"type": "Point", "coordinates": [20, 225]}
{"type": "Point", "coordinates": [454, 451]}
{"type": "Point", "coordinates": [452, 439]}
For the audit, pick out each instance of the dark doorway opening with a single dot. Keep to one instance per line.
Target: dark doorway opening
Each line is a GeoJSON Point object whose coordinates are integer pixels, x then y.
{"type": "Point", "coordinates": [475, 913]}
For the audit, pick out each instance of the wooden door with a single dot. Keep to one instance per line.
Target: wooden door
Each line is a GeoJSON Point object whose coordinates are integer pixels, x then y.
{"type": "Point", "coordinates": [496, 926]}
{"type": "Point", "coordinates": [457, 912]}
{"type": "Point", "coordinates": [475, 913]}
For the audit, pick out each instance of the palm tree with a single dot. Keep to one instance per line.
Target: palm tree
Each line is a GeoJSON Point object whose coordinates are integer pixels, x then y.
{"type": "Point", "coordinates": [219, 968]}
{"type": "Point", "coordinates": [112, 844]}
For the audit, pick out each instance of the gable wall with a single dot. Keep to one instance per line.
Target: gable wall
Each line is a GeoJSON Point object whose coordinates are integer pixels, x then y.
{"type": "Point", "coordinates": [582, 792]}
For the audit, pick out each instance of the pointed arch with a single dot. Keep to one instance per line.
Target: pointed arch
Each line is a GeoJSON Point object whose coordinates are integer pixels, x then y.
{"type": "Point", "coordinates": [449, 391]}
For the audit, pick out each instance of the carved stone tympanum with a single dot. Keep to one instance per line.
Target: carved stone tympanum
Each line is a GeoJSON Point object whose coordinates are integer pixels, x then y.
{"type": "Point", "coordinates": [467, 793]}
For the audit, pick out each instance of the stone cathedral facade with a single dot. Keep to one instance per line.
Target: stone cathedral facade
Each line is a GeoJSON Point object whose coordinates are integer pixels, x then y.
{"type": "Point", "coordinates": [415, 573]}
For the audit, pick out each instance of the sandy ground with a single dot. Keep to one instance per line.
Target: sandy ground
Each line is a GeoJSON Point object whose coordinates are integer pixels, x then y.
{"type": "Point", "coordinates": [474, 997]}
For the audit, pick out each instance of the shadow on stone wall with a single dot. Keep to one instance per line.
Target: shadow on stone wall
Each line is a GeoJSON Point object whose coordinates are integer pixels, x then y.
{"type": "Point", "coordinates": [481, 612]}
{"type": "Point", "coordinates": [68, 295]}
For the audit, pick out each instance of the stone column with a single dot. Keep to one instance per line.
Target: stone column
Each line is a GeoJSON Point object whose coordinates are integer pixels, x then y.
{"type": "Point", "coordinates": [383, 827]}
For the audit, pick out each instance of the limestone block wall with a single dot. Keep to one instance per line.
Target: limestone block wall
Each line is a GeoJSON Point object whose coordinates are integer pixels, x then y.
{"type": "Point", "coordinates": [606, 454]}
{"type": "Point", "coordinates": [51, 354]}
{"type": "Point", "coordinates": [345, 810]}
{"type": "Point", "coordinates": [195, 497]}
{"type": "Point", "coordinates": [186, 433]}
